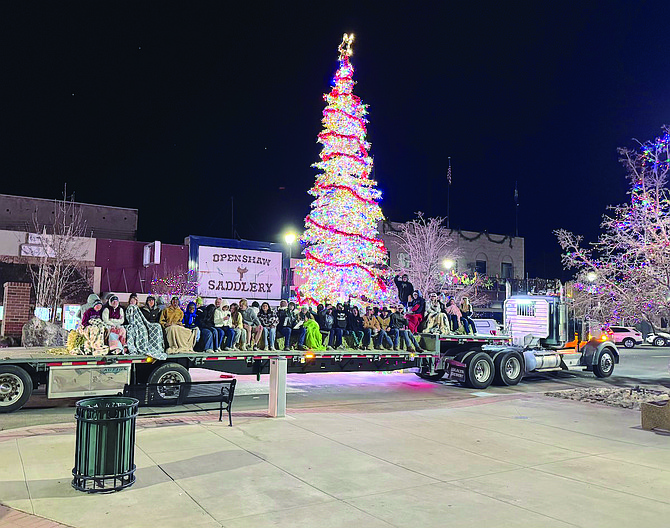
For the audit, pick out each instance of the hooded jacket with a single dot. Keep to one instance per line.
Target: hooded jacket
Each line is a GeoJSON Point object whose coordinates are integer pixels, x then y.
{"type": "Point", "coordinates": [189, 317]}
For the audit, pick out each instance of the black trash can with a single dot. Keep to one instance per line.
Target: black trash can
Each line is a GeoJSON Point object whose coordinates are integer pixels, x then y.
{"type": "Point", "coordinates": [104, 458]}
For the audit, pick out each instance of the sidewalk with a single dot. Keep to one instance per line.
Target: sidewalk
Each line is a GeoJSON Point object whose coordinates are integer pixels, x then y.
{"type": "Point", "coordinates": [522, 461]}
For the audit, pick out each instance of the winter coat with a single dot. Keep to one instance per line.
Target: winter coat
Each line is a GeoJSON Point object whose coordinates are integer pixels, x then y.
{"type": "Point", "coordinates": [171, 316]}
{"type": "Point", "coordinates": [249, 317]}
{"type": "Point", "coordinates": [89, 315]}
{"type": "Point", "coordinates": [355, 323]}
{"type": "Point", "coordinates": [384, 322]}
{"type": "Point", "coordinates": [326, 319]}
{"type": "Point", "coordinates": [286, 318]}
{"type": "Point", "coordinates": [418, 306]}
{"type": "Point", "coordinates": [204, 316]}
{"type": "Point", "coordinates": [152, 315]}
{"type": "Point", "coordinates": [340, 318]}
{"type": "Point", "coordinates": [268, 319]}
{"type": "Point", "coordinates": [189, 317]}
{"type": "Point", "coordinates": [222, 318]}
{"type": "Point", "coordinates": [112, 316]}
{"type": "Point", "coordinates": [371, 322]}
{"type": "Point", "coordinates": [398, 321]}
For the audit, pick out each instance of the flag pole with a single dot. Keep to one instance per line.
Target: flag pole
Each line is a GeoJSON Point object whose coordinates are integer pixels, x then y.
{"type": "Point", "coordinates": [449, 193]}
{"type": "Point", "coordinates": [516, 208]}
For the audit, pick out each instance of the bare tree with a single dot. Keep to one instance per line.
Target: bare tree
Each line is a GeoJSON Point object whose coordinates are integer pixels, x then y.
{"type": "Point", "coordinates": [427, 245]}
{"type": "Point", "coordinates": [626, 273]}
{"type": "Point", "coordinates": [59, 249]}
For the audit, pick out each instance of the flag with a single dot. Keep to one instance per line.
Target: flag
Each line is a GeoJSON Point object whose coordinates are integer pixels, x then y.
{"type": "Point", "coordinates": [449, 172]}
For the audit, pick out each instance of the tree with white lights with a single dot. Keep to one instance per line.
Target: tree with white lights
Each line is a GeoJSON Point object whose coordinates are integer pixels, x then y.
{"type": "Point", "coordinates": [627, 271]}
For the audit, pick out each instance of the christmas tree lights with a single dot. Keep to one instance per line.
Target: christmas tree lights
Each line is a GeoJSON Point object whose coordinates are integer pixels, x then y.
{"type": "Point", "coordinates": [344, 257]}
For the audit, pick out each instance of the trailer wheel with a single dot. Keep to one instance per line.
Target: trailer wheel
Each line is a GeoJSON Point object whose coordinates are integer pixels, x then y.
{"type": "Point", "coordinates": [16, 386]}
{"type": "Point", "coordinates": [167, 374]}
{"type": "Point", "coordinates": [605, 365]}
{"type": "Point", "coordinates": [509, 368]}
{"type": "Point", "coordinates": [479, 372]}
{"type": "Point", "coordinates": [439, 374]}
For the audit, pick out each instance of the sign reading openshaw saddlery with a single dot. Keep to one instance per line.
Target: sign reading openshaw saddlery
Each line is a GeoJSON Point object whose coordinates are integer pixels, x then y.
{"type": "Point", "coordinates": [232, 273]}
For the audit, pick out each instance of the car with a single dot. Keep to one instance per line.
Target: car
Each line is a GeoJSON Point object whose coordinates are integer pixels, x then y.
{"type": "Point", "coordinates": [624, 335]}
{"type": "Point", "coordinates": [658, 338]}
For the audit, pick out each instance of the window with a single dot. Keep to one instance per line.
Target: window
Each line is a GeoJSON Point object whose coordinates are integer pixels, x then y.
{"type": "Point", "coordinates": [480, 267]}
{"type": "Point", "coordinates": [507, 270]}
{"type": "Point", "coordinates": [403, 260]}
{"type": "Point", "coordinates": [525, 309]}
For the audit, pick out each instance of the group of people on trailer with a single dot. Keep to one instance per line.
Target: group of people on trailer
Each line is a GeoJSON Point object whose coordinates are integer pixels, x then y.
{"type": "Point", "coordinates": [437, 314]}
{"type": "Point", "coordinates": [156, 328]}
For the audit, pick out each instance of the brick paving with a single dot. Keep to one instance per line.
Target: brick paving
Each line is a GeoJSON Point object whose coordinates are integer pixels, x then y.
{"type": "Point", "coordinates": [17, 519]}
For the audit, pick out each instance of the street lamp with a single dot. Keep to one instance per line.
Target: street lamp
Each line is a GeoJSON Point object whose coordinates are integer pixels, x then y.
{"type": "Point", "coordinates": [591, 276]}
{"type": "Point", "coordinates": [289, 238]}
{"type": "Point", "coordinates": [448, 263]}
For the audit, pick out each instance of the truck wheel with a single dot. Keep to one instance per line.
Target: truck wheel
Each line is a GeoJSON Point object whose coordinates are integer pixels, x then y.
{"type": "Point", "coordinates": [479, 372]}
{"type": "Point", "coordinates": [629, 342]}
{"type": "Point", "coordinates": [16, 386]}
{"type": "Point", "coordinates": [659, 341]}
{"type": "Point", "coordinates": [167, 374]}
{"type": "Point", "coordinates": [509, 368]}
{"type": "Point", "coordinates": [439, 374]}
{"type": "Point", "coordinates": [605, 365]}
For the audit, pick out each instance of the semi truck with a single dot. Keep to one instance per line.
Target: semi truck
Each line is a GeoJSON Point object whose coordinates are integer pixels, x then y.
{"type": "Point", "coordinates": [538, 331]}
{"type": "Point", "coordinates": [535, 340]}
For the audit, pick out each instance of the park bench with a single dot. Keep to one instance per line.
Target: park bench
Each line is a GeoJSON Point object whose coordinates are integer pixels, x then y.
{"type": "Point", "coordinates": [157, 394]}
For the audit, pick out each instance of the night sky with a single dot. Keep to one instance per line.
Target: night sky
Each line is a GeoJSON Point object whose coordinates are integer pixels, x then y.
{"type": "Point", "coordinates": [172, 110]}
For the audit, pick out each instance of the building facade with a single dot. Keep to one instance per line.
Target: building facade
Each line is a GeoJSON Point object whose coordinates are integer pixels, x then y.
{"type": "Point", "coordinates": [496, 256]}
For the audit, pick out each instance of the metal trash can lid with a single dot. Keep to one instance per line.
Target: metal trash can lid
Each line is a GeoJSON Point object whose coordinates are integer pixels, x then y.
{"type": "Point", "coordinates": [117, 402]}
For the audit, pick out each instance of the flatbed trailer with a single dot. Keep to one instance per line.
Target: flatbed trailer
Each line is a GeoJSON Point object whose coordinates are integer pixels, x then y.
{"type": "Point", "coordinates": [65, 376]}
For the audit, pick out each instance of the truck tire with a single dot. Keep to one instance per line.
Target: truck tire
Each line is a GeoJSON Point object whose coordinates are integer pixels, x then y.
{"type": "Point", "coordinates": [605, 365]}
{"type": "Point", "coordinates": [480, 370]}
{"type": "Point", "coordinates": [509, 368]}
{"type": "Point", "coordinates": [439, 374]}
{"type": "Point", "coordinates": [169, 373]}
{"type": "Point", "coordinates": [16, 386]}
{"type": "Point", "coordinates": [629, 342]}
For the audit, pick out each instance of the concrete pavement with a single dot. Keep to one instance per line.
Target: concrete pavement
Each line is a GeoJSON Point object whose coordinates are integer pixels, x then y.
{"type": "Point", "coordinates": [510, 460]}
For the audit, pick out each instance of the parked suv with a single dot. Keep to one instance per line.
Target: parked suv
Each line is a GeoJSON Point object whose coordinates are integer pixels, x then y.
{"type": "Point", "coordinates": [624, 335]}
{"type": "Point", "coordinates": [659, 338]}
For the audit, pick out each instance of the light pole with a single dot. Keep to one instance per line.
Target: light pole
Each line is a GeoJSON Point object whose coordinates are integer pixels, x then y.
{"type": "Point", "coordinates": [289, 238]}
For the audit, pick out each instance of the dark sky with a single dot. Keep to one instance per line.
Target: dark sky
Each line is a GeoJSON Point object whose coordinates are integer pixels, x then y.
{"type": "Point", "coordinates": [174, 109]}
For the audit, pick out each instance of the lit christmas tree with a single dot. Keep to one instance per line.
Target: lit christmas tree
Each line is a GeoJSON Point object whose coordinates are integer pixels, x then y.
{"type": "Point", "coordinates": [344, 256]}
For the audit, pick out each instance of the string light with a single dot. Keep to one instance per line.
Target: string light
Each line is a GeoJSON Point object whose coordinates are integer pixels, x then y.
{"type": "Point", "coordinates": [345, 258]}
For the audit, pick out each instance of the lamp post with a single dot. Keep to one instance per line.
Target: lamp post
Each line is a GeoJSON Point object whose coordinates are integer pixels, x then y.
{"type": "Point", "coordinates": [289, 238]}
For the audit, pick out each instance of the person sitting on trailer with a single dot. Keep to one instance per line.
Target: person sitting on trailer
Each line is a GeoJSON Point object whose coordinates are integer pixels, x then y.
{"type": "Point", "coordinates": [313, 337]}
{"type": "Point", "coordinates": [384, 320]}
{"type": "Point", "coordinates": [223, 324]}
{"type": "Point", "coordinates": [339, 326]}
{"type": "Point", "coordinates": [150, 311]}
{"type": "Point", "coordinates": [371, 324]}
{"type": "Point", "coordinates": [178, 337]}
{"type": "Point", "coordinates": [92, 299]}
{"type": "Point", "coordinates": [356, 328]}
{"type": "Point", "coordinates": [251, 324]}
{"type": "Point", "coordinates": [466, 316]}
{"type": "Point", "coordinates": [143, 337]}
{"type": "Point", "coordinates": [416, 306]}
{"type": "Point", "coordinates": [436, 319]}
{"type": "Point", "coordinates": [289, 324]}
{"type": "Point", "coordinates": [325, 320]}
{"type": "Point", "coordinates": [453, 314]}
{"type": "Point", "coordinates": [269, 320]}
{"type": "Point", "coordinates": [405, 288]}
{"type": "Point", "coordinates": [194, 318]}
{"type": "Point", "coordinates": [112, 316]}
{"type": "Point", "coordinates": [240, 339]}
{"type": "Point", "coordinates": [398, 326]}
{"type": "Point", "coordinates": [92, 313]}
